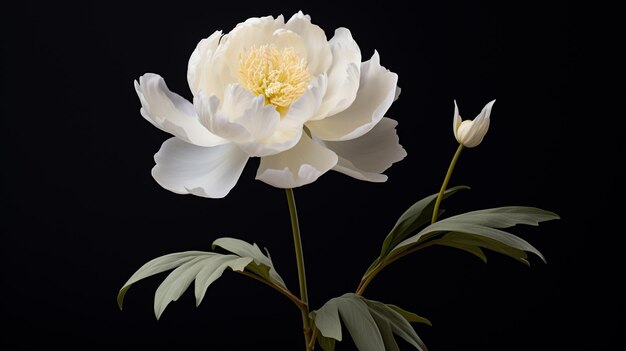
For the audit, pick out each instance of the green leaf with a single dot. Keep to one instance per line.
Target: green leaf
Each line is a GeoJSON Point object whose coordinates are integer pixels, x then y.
{"type": "Point", "coordinates": [398, 324]}
{"type": "Point", "coordinates": [410, 316]}
{"type": "Point", "coordinates": [461, 245]}
{"type": "Point", "coordinates": [356, 317]}
{"type": "Point", "coordinates": [156, 266]}
{"type": "Point", "coordinates": [370, 323]}
{"type": "Point", "coordinates": [244, 249]}
{"type": "Point", "coordinates": [473, 241]}
{"type": "Point", "coordinates": [327, 344]}
{"type": "Point", "coordinates": [386, 332]}
{"type": "Point", "coordinates": [483, 223]}
{"type": "Point", "coordinates": [416, 216]}
{"type": "Point", "coordinates": [202, 267]}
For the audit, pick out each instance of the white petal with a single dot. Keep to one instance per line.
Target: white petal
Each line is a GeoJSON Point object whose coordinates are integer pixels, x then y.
{"type": "Point", "coordinates": [250, 111]}
{"type": "Point", "coordinates": [343, 75]}
{"type": "Point", "coordinates": [482, 120]}
{"type": "Point", "coordinates": [456, 122]}
{"type": "Point", "coordinates": [471, 134]}
{"type": "Point", "coordinates": [377, 90]}
{"type": "Point", "coordinates": [366, 157]}
{"type": "Point", "coordinates": [243, 119]}
{"type": "Point", "coordinates": [172, 113]}
{"type": "Point", "coordinates": [298, 166]}
{"type": "Point", "coordinates": [290, 127]}
{"type": "Point", "coordinates": [200, 74]}
{"type": "Point", "coordinates": [318, 57]}
{"type": "Point", "coordinates": [308, 104]}
{"type": "Point", "coordinates": [217, 121]}
{"type": "Point", "coordinates": [255, 32]}
{"type": "Point", "coordinates": [203, 171]}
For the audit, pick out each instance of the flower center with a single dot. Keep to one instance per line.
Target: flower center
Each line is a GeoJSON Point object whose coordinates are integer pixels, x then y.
{"type": "Point", "coordinates": [281, 76]}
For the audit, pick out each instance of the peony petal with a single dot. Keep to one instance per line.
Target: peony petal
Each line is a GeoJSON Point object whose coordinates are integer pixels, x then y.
{"type": "Point", "coordinates": [245, 120]}
{"type": "Point", "coordinates": [172, 113]}
{"type": "Point", "coordinates": [200, 72]}
{"type": "Point", "coordinates": [290, 127]}
{"type": "Point", "coordinates": [366, 157]}
{"type": "Point", "coordinates": [250, 111]}
{"type": "Point", "coordinates": [456, 122]}
{"type": "Point", "coordinates": [218, 122]}
{"type": "Point", "coordinates": [318, 56]}
{"type": "Point", "coordinates": [377, 90]}
{"type": "Point", "coordinates": [298, 166]}
{"type": "Point", "coordinates": [255, 32]}
{"type": "Point", "coordinates": [203, 171]}
{"type": "Point", "coordinates": [343, 75]}
{"type": "Point", "coordinates": [308, 104]}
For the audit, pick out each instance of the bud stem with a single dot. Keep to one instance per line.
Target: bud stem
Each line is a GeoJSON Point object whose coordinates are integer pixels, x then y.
{"type": "Point", "coordinates": [445, 182]}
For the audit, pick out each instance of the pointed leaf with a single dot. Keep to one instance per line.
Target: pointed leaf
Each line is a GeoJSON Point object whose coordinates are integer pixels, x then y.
{"type": "Point", "coordinates": [156, 266]}
{"type": "Point", "coordinates": [357, 319]}
{"type": "Point", "coordinates": [204, 269]}
{"type": "Point", "coordinates": [410, 316]}
{"type": "Point", "coordinates": [245, 249]}
{"type": "Point", "coordinates": [176, 283]}
{"type": "Point", "coordinates": [398, 324]}
{"type": "Point", "coordinates": [508, 216]}
{"type": "Point", "coordinates": [483, 223]}
{"type": "Point", "coordinates": [457, 244]}
{"type": "Point", "coordinates": [213, 269]}
{"type": "Point", "coordinates": [327, 320]}
{"type": "Point", "coordinates": [476, 241]}
{"type": "Point", "coordinates": [385, 331]}
{"type": "Point", "coordinates": [416, 216]}
{"type": "Point", "coordinates": [327, 344]}
{"type": "Point", "coordinates": [360, 323]}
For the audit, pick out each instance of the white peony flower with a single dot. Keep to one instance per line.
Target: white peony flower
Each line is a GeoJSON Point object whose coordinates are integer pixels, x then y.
{"type": "Point", "coordinates": [470, 133]}
{"type": "Point", "coordinates": [279, 91]}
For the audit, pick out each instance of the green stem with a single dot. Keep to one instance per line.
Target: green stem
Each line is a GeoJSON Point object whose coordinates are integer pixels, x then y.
{"type": "Point", "coordinates": [445, 183]}
{"type": "Point", "coordinates": [297, 241]}
{"type": "Point", "coordinates": [368, 279]}
{"type": "Point", "coordinates": [299, 303]}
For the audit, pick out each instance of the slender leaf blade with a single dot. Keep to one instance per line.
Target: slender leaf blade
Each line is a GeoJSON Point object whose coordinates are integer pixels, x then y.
{"type": "Point", "coordinates": [472, 249]}
{"type": "Point", "coordinates": [156, 266]}
{"type": "Point", "coordinates": [385, 331]}
{"type": "Point", "coordinates": [176, 283]}
{"type": "Point", "coordinates": [213, 269]}
{"type": "Point", "coordinates": [327, 320]}
{"type": "Point", "coordinates": [355, 316]}
{"type": "Point", "coordinates": [360, 323]}
{"type": "Point", "coordinates": [327, 344]}
{"type": "Point", "coordinates": [471, 240]}
{"type": "Point", "coordinates": [485, 223]}
{"type": "Point", "coordinates": [414, 217]}
{"type": "Point", "coordinates": [244, 249]}
{"type": "Point", "coordinates": [399, 325]}
{"type": "Point", "coordinates": [410, 316]}
{"type": "Point", "coordinates": [504, 217]}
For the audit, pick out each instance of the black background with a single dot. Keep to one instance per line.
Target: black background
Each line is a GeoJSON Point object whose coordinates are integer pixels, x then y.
{"type": "Point", "coordinates": [82, 213]}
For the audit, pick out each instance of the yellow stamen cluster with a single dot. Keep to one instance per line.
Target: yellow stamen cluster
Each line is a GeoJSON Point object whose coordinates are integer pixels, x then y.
{"type": "Point", "coordinates": [281, 76]}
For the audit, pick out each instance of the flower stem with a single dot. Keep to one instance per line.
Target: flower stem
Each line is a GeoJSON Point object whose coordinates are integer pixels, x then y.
{"type": "Point", "coordinates": [299, 303]}
{"type": "Point", "coordinates": [297, 241]}
{"type": "Point", "coordinates": [384, 263]}
{"type": "Point", "coordinates": [445, 183]}
{"type": "Point", "coordinates": [368, 279]}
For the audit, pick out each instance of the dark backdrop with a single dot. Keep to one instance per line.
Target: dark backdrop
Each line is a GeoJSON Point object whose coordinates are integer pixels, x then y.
{"type": "Point", "coordinates": [81, 212]}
